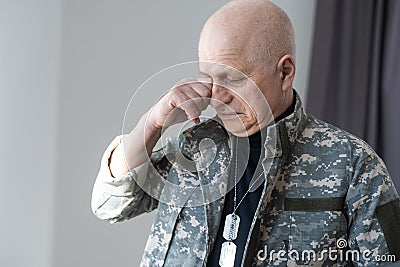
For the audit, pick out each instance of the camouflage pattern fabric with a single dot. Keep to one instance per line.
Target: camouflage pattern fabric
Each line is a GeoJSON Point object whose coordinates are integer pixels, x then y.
{"type": "Point", "coordinates": [323, 186]}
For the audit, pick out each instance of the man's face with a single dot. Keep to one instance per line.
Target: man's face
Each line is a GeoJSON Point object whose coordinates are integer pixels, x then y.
{"type": "Point", "coordinates": [236, 96]}
{"type": "Point", "coordinates": [245, 96]}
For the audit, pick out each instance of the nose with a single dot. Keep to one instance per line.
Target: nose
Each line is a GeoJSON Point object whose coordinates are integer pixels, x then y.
{"type": "Point", "coordinates": [220, 96]}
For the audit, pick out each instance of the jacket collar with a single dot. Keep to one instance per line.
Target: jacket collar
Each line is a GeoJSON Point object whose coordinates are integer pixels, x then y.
{"type": "Point", "coordinates": [279, 138]}
{"type": "Point", "coordinates": [282, 135]}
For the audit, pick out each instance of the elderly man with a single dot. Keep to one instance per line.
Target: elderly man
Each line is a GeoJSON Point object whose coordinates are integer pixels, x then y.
{"type": "Point", "coordinates": [324, 197]}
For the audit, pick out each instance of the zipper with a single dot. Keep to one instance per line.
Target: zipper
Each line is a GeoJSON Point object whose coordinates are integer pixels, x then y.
{"type": "Point", "coordinates": [281, 161]}
{"type": "Point", "coordinates": [253, 223]}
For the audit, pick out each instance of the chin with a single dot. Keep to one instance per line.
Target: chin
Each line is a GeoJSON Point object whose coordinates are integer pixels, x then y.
{"type": "Point", "coordinates": [236, 128]}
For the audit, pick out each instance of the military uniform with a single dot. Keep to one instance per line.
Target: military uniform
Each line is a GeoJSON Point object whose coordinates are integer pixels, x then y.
{"type": "Point", "coordinates": [327, 198]}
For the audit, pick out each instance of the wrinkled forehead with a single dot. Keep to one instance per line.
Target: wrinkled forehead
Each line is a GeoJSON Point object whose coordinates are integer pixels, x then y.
{"type": "Point", "coordinates": [218, 69]}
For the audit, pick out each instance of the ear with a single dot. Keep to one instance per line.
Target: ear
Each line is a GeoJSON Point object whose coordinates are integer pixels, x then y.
{"type": "Point", "coordinates": [287, 69]}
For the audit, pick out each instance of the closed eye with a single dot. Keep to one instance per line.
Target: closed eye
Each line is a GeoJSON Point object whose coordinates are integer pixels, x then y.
{"type": "Point", "coordinates": [236, 80]}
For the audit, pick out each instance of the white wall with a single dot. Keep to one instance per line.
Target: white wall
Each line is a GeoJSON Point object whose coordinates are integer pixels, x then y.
{"type": "Point", "coordinates": [29, 92]}
{"type": "Point", "coordinates": [55, 127]}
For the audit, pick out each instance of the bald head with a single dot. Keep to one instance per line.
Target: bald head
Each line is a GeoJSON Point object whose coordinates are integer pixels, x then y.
{"type": "Point", "coordinates": [258, 30]}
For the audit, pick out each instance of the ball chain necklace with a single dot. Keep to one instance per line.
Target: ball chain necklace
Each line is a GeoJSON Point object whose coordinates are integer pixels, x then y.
{"type": "Point", "coordinates": [231, 227]}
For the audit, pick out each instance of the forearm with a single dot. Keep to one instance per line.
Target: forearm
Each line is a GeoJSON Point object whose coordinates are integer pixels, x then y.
{"type": "Point", "coordinates": [135, 148]}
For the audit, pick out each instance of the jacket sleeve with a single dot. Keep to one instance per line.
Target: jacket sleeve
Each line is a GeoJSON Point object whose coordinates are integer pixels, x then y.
{"type": "Point", "coordinates": [373, 210]}
{"type": "Point", "coordinates": [116, 199]}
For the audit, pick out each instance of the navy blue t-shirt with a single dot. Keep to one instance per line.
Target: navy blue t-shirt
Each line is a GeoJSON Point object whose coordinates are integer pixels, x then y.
{"type": "Point", "coordinates": [247, 208]}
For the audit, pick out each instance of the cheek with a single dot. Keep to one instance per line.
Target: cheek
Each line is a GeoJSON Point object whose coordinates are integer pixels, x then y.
{"type": "Point", "coordinates": [273, 101]}
{"type": "Point", "coordinates": [254, 102]}
{"type": "Point", "coordinates": [272, 94]}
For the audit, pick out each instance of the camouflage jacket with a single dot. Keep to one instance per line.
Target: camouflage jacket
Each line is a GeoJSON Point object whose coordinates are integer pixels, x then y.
{"type": "Point", "coordinates": [328, 199]}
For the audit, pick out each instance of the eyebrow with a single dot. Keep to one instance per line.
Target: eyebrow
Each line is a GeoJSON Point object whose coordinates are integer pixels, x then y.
{"type": "Point", "coordinates": [227, 71]}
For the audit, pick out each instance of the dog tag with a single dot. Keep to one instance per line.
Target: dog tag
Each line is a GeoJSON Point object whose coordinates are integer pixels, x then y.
{"type": "Point", "coordinates": [231, 227]}
{"type": "Point", "coordinates": [228, 253]}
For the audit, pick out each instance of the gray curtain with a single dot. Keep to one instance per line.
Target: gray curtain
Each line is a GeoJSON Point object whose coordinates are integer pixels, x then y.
{"type": "Point", "coordinates": [355, 72]}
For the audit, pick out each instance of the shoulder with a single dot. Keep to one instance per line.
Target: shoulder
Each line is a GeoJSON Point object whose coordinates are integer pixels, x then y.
{"type": "Point", "coordinates": [325, 135]}
{"type": "Point", "coordinates": [342, 145]}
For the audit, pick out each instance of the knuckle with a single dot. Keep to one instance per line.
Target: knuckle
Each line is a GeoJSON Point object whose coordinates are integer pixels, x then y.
{"type": "Point", "coordinates": [185, 81]}
{"type": "Point", "coordinates": [207, 92]}
{"type": "Point", "coordinates": [176, 91]}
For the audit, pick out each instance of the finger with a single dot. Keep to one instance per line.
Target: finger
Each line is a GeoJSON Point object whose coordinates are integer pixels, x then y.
{"type": "Point", "coordinates": [199, 91]}
{"type": "Point", "coordinates": [207, 81]}
{"type": "Point", "coordinates": [190, 108]}
{"type": "Point", "coordinates": [186, 81]}
{"type": "Point", "coordinates": [180, 100]}
{"type": "Point", "coordinates": [204, 93]}
{"type": "Point", "coordinates": [203, 85]}
{"type": "Point", "coordinates": [196, 98]}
